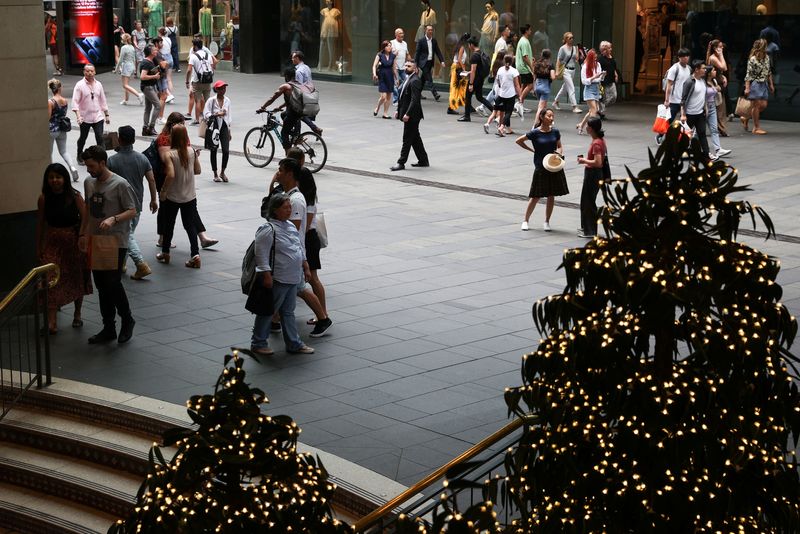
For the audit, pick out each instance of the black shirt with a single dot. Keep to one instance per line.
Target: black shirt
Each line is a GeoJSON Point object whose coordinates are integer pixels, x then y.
{"type": "Point", "coordinates": [609, 66]}
{"type": "Point", "coordinates": [150, 68]}
{"type": "Point", "coordinates": [61, 212]}
{"type": "Point", "coordinates": [476, 60]}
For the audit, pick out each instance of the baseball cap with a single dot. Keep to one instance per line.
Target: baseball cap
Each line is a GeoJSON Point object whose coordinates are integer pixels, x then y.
{"type": "Point", "coordinates": [219, 83]}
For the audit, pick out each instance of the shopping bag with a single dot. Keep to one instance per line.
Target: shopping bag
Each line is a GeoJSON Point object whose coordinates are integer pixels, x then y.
{"type": "Point", "coordinates": [661, 124]}
{"type": "Point", "coordinates": [322, 230]}
{"type": "Point", "coordinates": [686, 130]}
{"type": "Point", "coordinates": [104, 252]}
{"type": "Point", "coordinates": [743, 108]}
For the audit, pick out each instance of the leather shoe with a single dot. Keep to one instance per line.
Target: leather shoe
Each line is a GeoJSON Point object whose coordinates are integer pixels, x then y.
{"type": "Point", "coordinates": [103, 336]}
{"type": "Point", "coordinates": [452, 111]}
{"type": "Point", "coordinates": [419, 164]}
{"type": "Point", "coordinates": [397, 167]}
{"type": "Point", "coordinates": [126, 331]}
{"type": "Point", "coordinates": [464, 118]}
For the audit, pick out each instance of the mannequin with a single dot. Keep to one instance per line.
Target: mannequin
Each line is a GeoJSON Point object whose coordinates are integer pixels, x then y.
{"type": "Point", "coordinates": [428, 17]}
{"type": "Point", "coordinates": [489, 29]}
{"type": "Point", "coordinates": [328, 33]}
{"type": "Point", "coordinates": [205, 20]}
{"type": "Point", "coordinates": [155, 19]}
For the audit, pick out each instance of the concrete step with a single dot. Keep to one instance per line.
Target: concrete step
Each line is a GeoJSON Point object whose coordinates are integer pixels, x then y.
{"type": "Point", "coordinates": [32, 512]}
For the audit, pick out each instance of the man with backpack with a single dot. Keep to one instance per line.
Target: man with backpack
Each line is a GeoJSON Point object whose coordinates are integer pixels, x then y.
{"type": "Point", "coordinates": [201, 75]}
{"type": "Point", "coordinates": [479, 69]}
{"type": "Point", "coordinates": [674, 81]}
{"type": "Point", "coordinates": [293, 109]}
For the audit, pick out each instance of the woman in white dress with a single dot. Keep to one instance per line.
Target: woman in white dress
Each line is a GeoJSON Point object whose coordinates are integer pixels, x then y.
{"type": "Point", "coordinates": [126, 68]}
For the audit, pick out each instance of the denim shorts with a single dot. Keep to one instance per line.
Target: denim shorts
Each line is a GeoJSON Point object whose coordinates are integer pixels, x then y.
{"type": "Point", "coordinates": [591, 92]}
{"type": "Point", "coordinates": [542, 89]}
{"type": "Point", "coordinates": [758, 91]}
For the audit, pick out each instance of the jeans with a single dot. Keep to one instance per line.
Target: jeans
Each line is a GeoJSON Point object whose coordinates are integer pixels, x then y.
{"type": "Point", "coordinates": [98, 135]}
{"type": "Point", "coordinates": [698, 122]}
{"type": "Point", "coordinates": [133, 247]}
{"type": "Point", "coordinates": [111, 294]}
{"type": "Point", "coordinates": [568, 86]}
{"type": "Point", "coordinates": [189, 217]}
{"type": "Point", "coordinates": [152, 106]}
{"type": "Point", "coordinates": [713, 127]}
{"type": "Point", "coordinates": [224, 144]}
{"type": "Point", "coordinates": [60, 139]}
{"type": "Point", "coordinates": [401, 75]}
{"type": "Point", "coordinates": [285, 298]}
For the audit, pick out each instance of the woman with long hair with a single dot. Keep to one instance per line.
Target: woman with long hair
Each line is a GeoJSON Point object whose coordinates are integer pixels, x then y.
{"type": "Point", "coordinates": [713, 96]}
{"type": "Point", "coordinates": [458, 76]}
{"type": "Point", "coordinates": [715, 57]}
{"type": "Point", "coordinates": [179, 194]}
{"type": "Point", "coordinates": [757, 82]}
{"type": "Point", "coordinates": [596, 169]}
{"type": "Point", "coordinates": [384, 73]}
{"type": "Point", "coordinates": [507, 91]}
{"type": "Point", "coordinates": [545, 140]}
{"type": "Point", "coordinates": [60, 212]}
{"type": "Point", "coordinates": [126, 66]}
{"type": "Point", "coordinates": [591, 74]}
{"type": "Point", "coordinates": [57, 108]}
{"type": "Point", "coordinates": [544, 73]}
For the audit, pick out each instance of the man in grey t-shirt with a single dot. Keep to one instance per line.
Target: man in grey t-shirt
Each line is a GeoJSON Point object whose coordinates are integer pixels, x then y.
{"type": "Point", "coordinates": [676, 77]}
{"type": "Point", "coordinates": [111, 205]}
{"type": "Point", "coordinates": [135, 168]}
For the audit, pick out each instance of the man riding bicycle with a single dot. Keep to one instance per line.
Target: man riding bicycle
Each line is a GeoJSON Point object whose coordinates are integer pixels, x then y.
{"type": "Point", "coordinates": [291, 118]}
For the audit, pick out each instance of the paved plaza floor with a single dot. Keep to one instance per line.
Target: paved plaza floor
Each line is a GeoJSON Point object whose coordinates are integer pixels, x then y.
{"type": "Point", "coordinates": [430, 281]}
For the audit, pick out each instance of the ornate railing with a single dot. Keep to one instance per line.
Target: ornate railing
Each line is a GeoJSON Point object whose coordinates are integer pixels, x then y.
{"type": "Point", "coordinates": [24, 339]}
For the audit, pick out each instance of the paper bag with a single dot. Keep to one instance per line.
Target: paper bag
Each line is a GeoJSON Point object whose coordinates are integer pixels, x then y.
{"type": "Point", "coordinates": [661, 124]}
{"type": "Point", "coordinates": [104, 252]}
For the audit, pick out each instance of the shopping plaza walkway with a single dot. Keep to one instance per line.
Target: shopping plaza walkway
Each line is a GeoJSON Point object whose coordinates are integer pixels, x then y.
{"type": "Point", "coordinates": [430, 281]}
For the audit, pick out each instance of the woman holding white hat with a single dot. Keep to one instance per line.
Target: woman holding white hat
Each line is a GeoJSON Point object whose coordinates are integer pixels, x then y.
{"type": "Point", "coordinates": [549, 179]}
{"type": "Point", "coordinates": [217, 114]}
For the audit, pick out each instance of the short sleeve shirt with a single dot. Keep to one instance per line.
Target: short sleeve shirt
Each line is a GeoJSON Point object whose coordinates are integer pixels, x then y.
{"type": "Point", "coordinates": [400, 50]}
{"type": "Point", "coordinates": [132, 166]}
{"type": "Point", "coordinates": [299, 212]}
{"type": "Point", "coordinates": [678, 74]}
{"type": "Point", "coordinates": [200, 60]}
{"type": "Point", "coordinates": [598, 146]}
{"type": "Point", "coordinates": [475, 59]}
{"type": "Point", "coordinates": [505, 82]}
{"type": "Point", "coordinates": [543, 144]}
{"type": "Point", "coordinates": [106, 199]}
{"type": "Point", "coordinates": [149, 67]}
{"type": "Point", "coordinates": [523, 49]}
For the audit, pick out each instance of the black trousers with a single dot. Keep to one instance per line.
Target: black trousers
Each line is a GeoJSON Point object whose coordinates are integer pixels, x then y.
{"type": "Point", "coordinates": [98, 135]}
{"type": "Point", "coordinates": [189, 218]}
{"type": "Point", "coordinates": [427, 77]}
{"type": "Point", "coordinates": [224, 144]}
{"type": "Point", "coordinates": [477, 90]}
{"type": "Point", "coordinates": [291, 128]}
{"type": "Point", "coordinates": [698, 122]}
{"type": "Point", "coordinates": [111, 294]}
{"type": "Point", "coordinates": [591, 186]}
{"type": "Point", "coordinates": [412, 139]}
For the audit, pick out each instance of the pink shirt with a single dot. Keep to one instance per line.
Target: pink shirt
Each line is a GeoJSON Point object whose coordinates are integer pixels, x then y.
{"type": "Point", "coordinates": [91, 107]}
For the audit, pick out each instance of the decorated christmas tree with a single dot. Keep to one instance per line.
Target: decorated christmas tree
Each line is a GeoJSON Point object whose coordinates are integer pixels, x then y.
{"type": "Point", "coordinates": [237, 471]}
{"type": "Point", "coordinates": [662, 386]}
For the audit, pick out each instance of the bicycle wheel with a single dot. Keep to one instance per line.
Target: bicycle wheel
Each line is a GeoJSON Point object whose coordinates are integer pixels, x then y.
{"type": "Point", "coordinates": [259, 147]}
{"type": "Point", "coordinates": [314, 148]}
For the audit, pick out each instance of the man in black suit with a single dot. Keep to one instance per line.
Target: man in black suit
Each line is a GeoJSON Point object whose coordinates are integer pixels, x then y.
{"type": "Point", "coordinates": [409, 110]}
{"type": "Point", "coordinates": [427, 48]}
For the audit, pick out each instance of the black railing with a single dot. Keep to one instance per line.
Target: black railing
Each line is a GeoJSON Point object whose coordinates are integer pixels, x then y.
{"type": "Point", "coordinates": [24, 339]}
{"type": "Point", "coordinates": [477, 475]}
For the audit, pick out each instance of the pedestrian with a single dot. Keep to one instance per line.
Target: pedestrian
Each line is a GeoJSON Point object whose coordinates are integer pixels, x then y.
{"type": "Point", "coordinates": [165, 51]}
{"type": "Point", "coordinates": [57, 107]}
{"type": "Point", "coordinates": [303, 77]}
{"type": "Point", "coordinates": [136, 169]}
{"type": "Point", "coordinates": [400, 51]}
{"type": "Point", "coordinates": [162, 86]}
{"type": "Point", "coordinates": [714, 98]}
{"type": "Point", "coordinates": [507, 90]}
{"type": "Point", "coordinates": [126, 66]}
{"type": "Point", "coordinates": [693, 103]}
{"type": "Point", "coordinates": [591, 75]}
{"type": "Point", "coordinates": [201, 65]}
{"type": "Point", "coordinates": [409, 110]}
{"type": "Point", "coordinates": [715, 57]}
{"type": "Point", "coordinates": [90, 107]}
{"type": "Point", "coordinates": [280, 266]}
{"type": "Point", "coordinates": [218, 110]}
{"type": "Point", "coordinates": [427, 48]}
{"type": "Point", "coordinates": [139, 35]}
{"type": "Point", "coordinates": [235, 28]}
{"type": "Point", "coordinates": [544, 73]}
{"type": "Point", "coordinates": [596, 169]}
{"type": "Point", "coordinates": [61, 210]}
{"type": "Point", "coordinates": [609, 82]}
{"type": "Point", "coordinates": [172, 33]}
{"type": "Point", "coordinates": [111, 205]}
{"type": "Point", "coordinates": [675, 79]}
{"type": "Point", "coordinates": [291, 117]}
{"type": "Point", "coordinates": [524, 64]}
{"type": "Point", "coordinates": [149, 74]}
{"type": "Point", "coordinates": [51, 38]}
{"type": "Point", "coordinates": [566, 62]}
{"type": "Point", "coordinates": [546, 140]}
{"type": "Point", "coordinates": [384, 73]}
{"type": "Point", "coordinates": [179, 194]}
{"type": "Point", "coordinates": [477, 74]}
{"type": "Point", "coordinates": [458, 77]}
{"type": "Point", "coordinates": [757, 82]}
{"type": "Point", "coordinates": [119, 31]}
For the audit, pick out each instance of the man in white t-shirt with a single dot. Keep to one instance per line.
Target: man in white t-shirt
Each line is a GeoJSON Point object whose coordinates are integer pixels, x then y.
{"type": "Point", "coordinates": [400, 51]}
{"type": "Point", "coordinates": [200, 60]}
{"type": "Point", "coordinates": [676, 78]}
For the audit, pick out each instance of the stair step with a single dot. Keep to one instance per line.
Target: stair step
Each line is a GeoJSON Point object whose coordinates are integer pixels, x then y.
{"type": "Point", "coordinates": [33, 512]}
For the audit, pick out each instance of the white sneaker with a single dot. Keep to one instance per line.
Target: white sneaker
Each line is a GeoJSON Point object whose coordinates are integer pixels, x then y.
{"type": "Point", "coordinates": [524, 226]}
{"type": "Point", "coordinates": [123, 103]}
{"type": "Point", "coordinates": [527, 110]}
{"type": "Point", "coordinates": [141, 98]}
{"type": "Point", "coordinates": [518, 109]}
{"type": "Point", "coordinates": [546, 226]}
{"type": "Point", "coordinates": [160, 121]}
{"type": "Point", "coordinates": [714, 157]}
{"type": "Point", "coordinates": [170, 98]}
{"type": "Point", "coordinates": [555, 105]}
{"type": "Point", "coordinates": [481, 110]}
{"type": "Point", "coordinates": [576, 109]}
{"type": "Point", "coordinates": [722, 152]}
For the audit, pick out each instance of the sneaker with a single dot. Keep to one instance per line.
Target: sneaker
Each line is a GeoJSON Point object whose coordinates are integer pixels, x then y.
{"type": "Point", "coordinates": [482, 111]}
{"type": "Point", "coordinates": [160, 120]}
{"type": "Point", "coordinates": [584, 235]}
{"type": "Point", "coordinates": [123, 103]}
{"type": "Point", "coordinates": [303, 349]}
{"type": "Point", "coordinates": [194, 122]}
{"type": "Point", "coordinates": [142, 270]}
{"type": "Point", "coordinates": [275, 328]}
{"type": "Point", "coordinates": [262, 351]}
{"type": "Point", "coordinates": [75, 176]}
{"type": "Point", "coordinates": [321, 327]}
{"type": "Point", "coordinates": [524, 226]}
{"type": "Point", "coordinates": [722, 152]}
{"type": "Point", "coordinates": [576, 109]}
{"type": "Point", "coordinates": [555, 105]}
{"type": "Point", "coordinates": [80, 161]}
{"type": "Point", "coordinates": [170, 98]}
{"type": "Point", "coordinates": [546, 226]}
{"type": "Point", "coordinates": [659, 138]}
{"type": "Point", "coordinates": [526, 110]}
{"type": "Point", "coordinates": [141, 99]}
{"type": "Point", "coordinates": [714, 157]}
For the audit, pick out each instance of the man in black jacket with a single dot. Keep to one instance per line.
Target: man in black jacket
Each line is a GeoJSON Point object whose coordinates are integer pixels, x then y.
{"type": "Point", "coordinates": [409, 110]}
{"type": "Point", "coordinates": [427, 48]}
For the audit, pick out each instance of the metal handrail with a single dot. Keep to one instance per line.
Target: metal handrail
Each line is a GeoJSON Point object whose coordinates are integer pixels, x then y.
{"type": "Point", "coordinates": [31, 276]}
{"type": "Point", "coordinates": [428, 480]}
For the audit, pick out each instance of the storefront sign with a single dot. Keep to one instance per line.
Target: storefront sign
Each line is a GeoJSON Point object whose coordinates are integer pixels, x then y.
{"type": "Point", "coordinates": [88, 30]}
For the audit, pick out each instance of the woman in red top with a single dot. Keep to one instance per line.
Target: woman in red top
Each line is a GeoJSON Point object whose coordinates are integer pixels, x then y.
{"type": "Point", "coordinates": [596, 170]}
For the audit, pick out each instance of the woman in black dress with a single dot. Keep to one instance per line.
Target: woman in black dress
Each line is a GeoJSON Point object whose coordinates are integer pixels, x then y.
{"type": "Point", "coordinates": [384, 72]}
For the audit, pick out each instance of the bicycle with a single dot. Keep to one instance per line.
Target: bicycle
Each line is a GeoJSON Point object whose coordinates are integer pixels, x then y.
{"type": "Point", "coordinates": [259, 145]}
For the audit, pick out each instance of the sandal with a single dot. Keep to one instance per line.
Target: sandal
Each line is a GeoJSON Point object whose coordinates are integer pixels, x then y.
{"type": "Point", "coordinates": [163, 257]}
{"type": "Point", "coordinates": [759, 131]}
{"type": "Point", "coordinates": [745, 123]}
{"type": "Point", "coordinates": [77, 322]}
{"type": "Point", "coordinates": [224, 178]}
{"type": "Point", "coordinates": [217, 179]}
{"type": "Point", "coordinates": [193, 262]}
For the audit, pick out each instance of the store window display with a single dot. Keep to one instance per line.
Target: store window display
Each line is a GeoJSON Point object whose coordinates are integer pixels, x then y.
{"type": "Point", "coordinates": [330, 29]}
{"type": "Point", "coordinates": [489, 29]}
{"type": "Point", "coordinates": [205, 21]}
{"type": "Point", "coordinates": [428, 17]}
{"type": "Point", "coordinates": [154, 12]}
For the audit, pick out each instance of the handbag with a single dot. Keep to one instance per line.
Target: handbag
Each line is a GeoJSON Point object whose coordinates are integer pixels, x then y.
{"type": "Point", "coordinates": [201, 131]}
{"type": "Point", "coordinates": [661, 124]}
{"type": "Point", "coordinates": [259, 298]}
{"type": "Point", "coordinates": [744, 108]}
{"type": "Point", "coordinates": [560, 72]}
{"type": "Point", "coordinates": [322, 230]}
{"type": "Point", "coordinates": [104, 252]}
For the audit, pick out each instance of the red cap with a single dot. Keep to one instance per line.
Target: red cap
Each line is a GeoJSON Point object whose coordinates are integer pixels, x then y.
{"type": "Point", "coordinates": [220, 83]}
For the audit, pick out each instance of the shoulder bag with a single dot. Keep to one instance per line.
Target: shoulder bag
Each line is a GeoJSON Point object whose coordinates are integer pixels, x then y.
{"type": "Point", "coordinates": [259, 298]}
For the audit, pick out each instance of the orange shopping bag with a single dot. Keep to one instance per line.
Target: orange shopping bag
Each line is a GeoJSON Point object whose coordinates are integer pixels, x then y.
{"type": "Point", "coordinates": [661, 124]}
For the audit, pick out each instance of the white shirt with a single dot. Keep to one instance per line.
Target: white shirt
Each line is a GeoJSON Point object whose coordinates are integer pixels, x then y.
{"type": "Point", "coordinates": [430, 49]}
{"type": "Point", "coordinates": [197, 64]}
{"type": "Point", "coordinates": [696, 105]}
{"type": "Point", "coordinates": [212, 106]}
{"type": "Point", "coordinates": [400, 50]}
{"type": "Point", "coordinates": [504, 81]}
{"type": "Point", "coordinates": [166, 46]}
{"type": "Point", "coordinates": [500, 44]}
{"type": "Point", "coordinates": [299, 212]}
{"type": "Point", "coordinates": [678, 75]}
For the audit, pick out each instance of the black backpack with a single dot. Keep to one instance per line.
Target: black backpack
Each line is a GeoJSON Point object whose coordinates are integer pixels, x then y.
{"type": "Point", "coordinates": [207, 76]}
{"type": "Point", "coordinates": [151, 153]}
{"type": "Point", "coordinates": [485, 65]}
